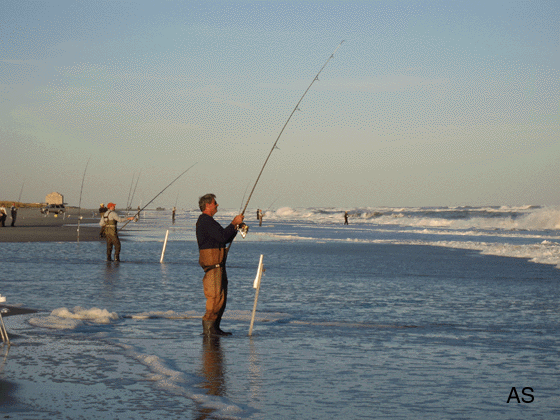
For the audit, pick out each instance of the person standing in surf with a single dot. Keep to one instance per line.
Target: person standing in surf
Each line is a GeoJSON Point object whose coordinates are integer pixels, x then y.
{"type": "Point", "coordinates": [109, 224]}
{"type": "Point", "coordinates": [212, 239]}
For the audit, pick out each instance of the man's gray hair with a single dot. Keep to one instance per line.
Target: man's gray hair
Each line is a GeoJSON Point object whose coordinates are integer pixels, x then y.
{"type": "Point", "coordinates": [205, 199]}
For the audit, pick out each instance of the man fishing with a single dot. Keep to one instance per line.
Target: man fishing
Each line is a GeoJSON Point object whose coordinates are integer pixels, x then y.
{"type": "Point", "coordinates": [212, 239]}
{"type": "Point", "coordinates": [109, 224]}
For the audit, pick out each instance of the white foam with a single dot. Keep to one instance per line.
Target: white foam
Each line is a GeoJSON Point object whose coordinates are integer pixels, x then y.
{"type": "Point", "coordinates": [514, 217]}
{"type": "Point", "coordinates": [63, 318]}
{"type": "Point", "coordinates": [179, 383]}
{"type": "Point", "coordinates": [166, 315]}
{"type": "Point", "coordinates": [55, 322]}
{"type": "Point", "coordinates": [544, 253]}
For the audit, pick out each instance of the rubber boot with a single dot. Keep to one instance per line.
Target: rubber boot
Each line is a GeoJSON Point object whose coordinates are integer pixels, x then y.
{"type": "Point", "coordinates": [219, 330]}
{"type": "Point", "coordinates": [209, 328]}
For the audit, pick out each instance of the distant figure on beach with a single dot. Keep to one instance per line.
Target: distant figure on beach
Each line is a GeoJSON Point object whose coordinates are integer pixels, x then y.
{"type": "Point", "coordinates": [137, 214]}
{"type": "Point", "coordinates": [260, 216]}
{"type": "Point", "coordinates": [345, 217]}
{"type": "Point", "coordinates": [14, 213]}
{"type": "Point", "coordinates": [173, 215]}
{"type": "Point", "coordinates": [212, 239]}
{"type": "Point", "coordinates": [102, 209]}
{"type": "Point", "coordinates": [109, 223]}
{"type": "Point", "coordinates": [3, 215]}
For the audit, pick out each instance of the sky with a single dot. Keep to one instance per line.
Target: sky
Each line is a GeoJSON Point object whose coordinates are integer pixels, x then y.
{"type": "Point", "coordinates": [425, 103]}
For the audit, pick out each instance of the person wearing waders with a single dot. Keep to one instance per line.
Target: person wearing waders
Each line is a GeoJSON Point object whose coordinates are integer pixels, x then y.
{"type": "Point", "coordinates": [109, 223]}
{"type": "Point", "coordinates": [212, 239]}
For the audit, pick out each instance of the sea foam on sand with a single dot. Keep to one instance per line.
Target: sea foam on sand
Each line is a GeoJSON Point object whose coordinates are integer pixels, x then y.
{"type": "Point", "coordinates": [63, 318]}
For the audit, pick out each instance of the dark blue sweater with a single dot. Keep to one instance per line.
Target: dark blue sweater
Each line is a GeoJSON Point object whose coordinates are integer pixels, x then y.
{"type": "Point", "coordinates": [210, 234]}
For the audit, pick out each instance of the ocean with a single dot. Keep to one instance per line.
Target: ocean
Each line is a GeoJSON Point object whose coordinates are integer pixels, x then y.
{"type": "Point", "coordinates": [405, 313]}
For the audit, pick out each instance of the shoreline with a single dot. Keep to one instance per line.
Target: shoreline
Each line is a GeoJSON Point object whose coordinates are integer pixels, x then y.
{"type": "Point", "coordinates": [32, 226]}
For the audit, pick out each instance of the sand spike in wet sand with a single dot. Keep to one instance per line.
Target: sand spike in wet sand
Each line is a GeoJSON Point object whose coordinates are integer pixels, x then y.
{"type": "Point", "coordinates": [3, 331]}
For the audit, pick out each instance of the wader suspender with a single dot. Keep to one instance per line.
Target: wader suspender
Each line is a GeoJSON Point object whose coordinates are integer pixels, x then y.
{"type": "Point", "coordinates": [106, 219]}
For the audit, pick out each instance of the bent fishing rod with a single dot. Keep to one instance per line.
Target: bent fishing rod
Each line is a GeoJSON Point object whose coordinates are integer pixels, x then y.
{"type": "Point", "coordinates": [244, 228]}
{"type": "Point", "coordinates": [171, 183]}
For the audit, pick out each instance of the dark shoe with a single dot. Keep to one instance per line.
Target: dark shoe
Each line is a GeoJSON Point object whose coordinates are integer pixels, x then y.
{"type": "Point", "coordinates": [109, 259]}
{"type": "Point", "coordinates": [219, 330]}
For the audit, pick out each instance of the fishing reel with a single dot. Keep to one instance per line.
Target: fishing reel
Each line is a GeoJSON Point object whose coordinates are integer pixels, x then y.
{"type": "Point", "coordinates": [243, 229]}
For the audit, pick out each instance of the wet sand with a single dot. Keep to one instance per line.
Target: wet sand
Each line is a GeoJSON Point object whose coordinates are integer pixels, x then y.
{"type": "Point", "coordinates": [32, 226]}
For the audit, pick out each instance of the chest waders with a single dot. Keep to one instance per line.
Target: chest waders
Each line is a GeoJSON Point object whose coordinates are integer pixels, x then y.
{"type": "Point", "coordinates": [215, 283]}
{"type": "Point", "coordinates": [112, 237]}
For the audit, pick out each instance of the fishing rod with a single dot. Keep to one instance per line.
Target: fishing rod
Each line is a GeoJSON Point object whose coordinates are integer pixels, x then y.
{"type": "Point", "coordinates": [243, 199]}
{"type": "Point", "coordinates": [129, 191]}
{"type": "Point", "coordinates": [20, 191]}
{"type": "Point", "coordinates": [244, 228]}
{"type": "Point", "coordinates": [171, 183]}
{"type": "Point", "coordinates": [281, 131]}
{"type": "Point", "coordinates": [136, 186]}
{"type": "Point", "coordinates": [276, 199]}
{"type": "Point", "coordinates": [80, 203]}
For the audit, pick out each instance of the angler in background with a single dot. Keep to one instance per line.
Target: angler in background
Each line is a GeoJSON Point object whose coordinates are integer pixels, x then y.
{"type": "Point", "coordinates": [260, 216]}
{"type": "Point", "coordinates": [212, 239]}
{"type": "Point", "coordinates": [3, 216]}
{"type": "Point", "coordinates": [173, 215]}
{"type": "Point", "coordinates": [108, 224]}
{"type": "Point", "coordinates": [345, 217]}
{"type": "Point", "coordinates": [102, 209]}
{"type": "Point", "coordinates": [14, 213]}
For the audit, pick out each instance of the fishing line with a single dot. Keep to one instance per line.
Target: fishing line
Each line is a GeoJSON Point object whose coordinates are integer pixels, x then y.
{"type": "Point", "coordinates": [243, 199]}
{"type": "Point", "coordinates": [171, 183]}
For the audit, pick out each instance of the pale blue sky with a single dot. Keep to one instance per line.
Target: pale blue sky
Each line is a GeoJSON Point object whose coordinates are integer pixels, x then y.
{"type": "Point", "coordinates": [426, 103]}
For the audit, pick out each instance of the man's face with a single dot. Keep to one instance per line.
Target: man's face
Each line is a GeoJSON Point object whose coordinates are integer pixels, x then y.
{"type": "Point", "coordinates": [212, 207]}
